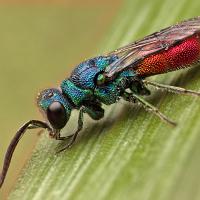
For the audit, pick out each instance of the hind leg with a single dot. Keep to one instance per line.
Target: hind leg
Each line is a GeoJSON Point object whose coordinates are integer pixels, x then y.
{"type": "Point", "coordinates": [149, 107]}
{"type": "Point", "coordinates": [172, 89]}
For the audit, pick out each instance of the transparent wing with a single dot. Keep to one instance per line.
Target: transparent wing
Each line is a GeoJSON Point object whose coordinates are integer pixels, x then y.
{"type": "Point", "coordinates": [132, 54]}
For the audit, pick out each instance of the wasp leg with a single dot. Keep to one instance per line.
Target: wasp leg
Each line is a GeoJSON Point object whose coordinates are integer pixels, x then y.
{"type": "Point", "coordinates": [174, 89]}
{"type": "Point", "coordinates": [138, 87]}
{"type": "Point", "coordinates": [74, 136]}
{"type": "Point", "coordinates": [135, 98]}
{"type": "Point", "coordinates": [56, 135]}
{"type": "Point", "coordinates": [94, 110]}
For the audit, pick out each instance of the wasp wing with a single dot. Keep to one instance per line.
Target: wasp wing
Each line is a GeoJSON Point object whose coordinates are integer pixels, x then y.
{"type": "Point", "coordinates": [132, 54]}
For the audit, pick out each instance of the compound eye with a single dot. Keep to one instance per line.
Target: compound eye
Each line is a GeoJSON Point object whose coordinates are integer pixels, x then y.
{"type": "Point", "coordinates": [57, 115]}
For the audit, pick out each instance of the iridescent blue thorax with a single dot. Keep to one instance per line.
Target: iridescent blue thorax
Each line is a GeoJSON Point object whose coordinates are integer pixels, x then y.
{"type": "Point", "coordinates": [81, 85]}
{"type": "Point", "coordinates": [84, 74]}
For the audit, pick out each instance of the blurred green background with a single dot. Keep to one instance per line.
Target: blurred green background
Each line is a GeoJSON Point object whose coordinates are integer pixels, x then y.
{"type": "Point", "coordinates": [129, 154]}
{"type": "Point", "coordinates": [40, 42]}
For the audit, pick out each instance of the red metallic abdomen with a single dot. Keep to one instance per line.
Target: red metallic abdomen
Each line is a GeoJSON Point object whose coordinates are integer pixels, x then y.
{"type": "Point", "coordinates": [179, 56]}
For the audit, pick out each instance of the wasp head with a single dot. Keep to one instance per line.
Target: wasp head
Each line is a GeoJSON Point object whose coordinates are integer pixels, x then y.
{"type": "Point", "coordinates": [55, 107]}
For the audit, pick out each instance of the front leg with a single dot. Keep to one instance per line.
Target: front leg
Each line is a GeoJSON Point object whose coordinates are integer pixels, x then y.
{"type": "Point", "coordinates": [79, 128]}
{"type": "Point", "coordinates": [94, 110]}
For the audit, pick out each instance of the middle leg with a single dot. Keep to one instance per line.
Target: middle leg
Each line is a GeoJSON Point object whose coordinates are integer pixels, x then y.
{"type": "Point", "coordinates": [94, 110]}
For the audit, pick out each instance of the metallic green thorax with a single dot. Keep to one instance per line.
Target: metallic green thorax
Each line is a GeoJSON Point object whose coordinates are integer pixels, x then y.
{"type": "Point", "coordinates": [74, 93]}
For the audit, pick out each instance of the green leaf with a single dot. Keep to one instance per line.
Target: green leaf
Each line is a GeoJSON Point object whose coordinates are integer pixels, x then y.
{"type": "Point", "coordinates": [130, 154]}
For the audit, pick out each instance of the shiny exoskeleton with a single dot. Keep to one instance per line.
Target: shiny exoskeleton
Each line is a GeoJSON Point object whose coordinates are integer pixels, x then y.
{"type": "Point", "coordinates": [84, 90]}
{"type": "Point", "coordinates": [118, 74]}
